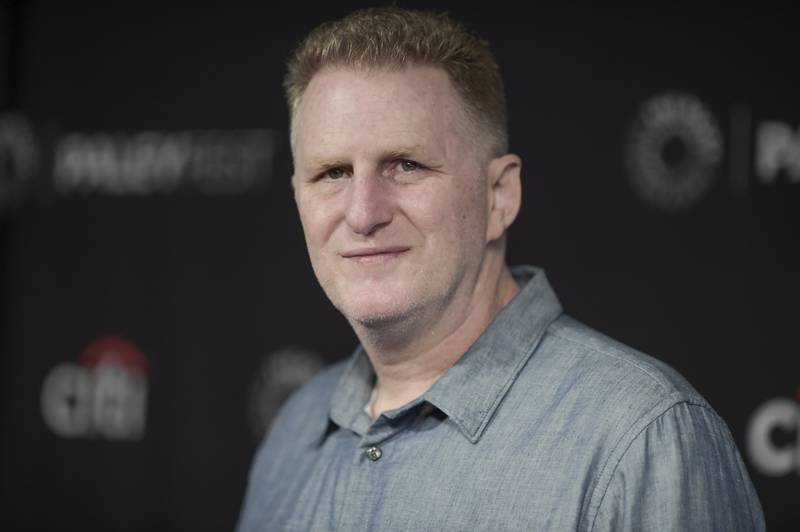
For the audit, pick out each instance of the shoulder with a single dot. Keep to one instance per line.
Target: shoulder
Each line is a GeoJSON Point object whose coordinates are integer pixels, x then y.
{"type": "Point", "coordinates": [659, 432]}
{"type": "Point", "coordinates": [302, 418]}
{"type": "Point", "coordinates": [599, 391]}
{"type": "Point", "coordinates": [300, 421]}
{"type": "Point", "coordinates": [627, 389]}
{"type": "Point", "coordinates": [613, 369]}
{"type": "Point", "coordinates": [599, 394]}
{"type": "Point", "coordinates": [680, 470]}
{"type": "Point", "coordinates": [307, 408]}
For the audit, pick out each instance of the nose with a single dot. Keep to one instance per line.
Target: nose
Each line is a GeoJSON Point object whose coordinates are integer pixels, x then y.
{"type": "Point", "coordinates": [369, 204]}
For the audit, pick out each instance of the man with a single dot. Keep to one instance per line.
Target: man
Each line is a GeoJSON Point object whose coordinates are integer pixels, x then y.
{"type": "Point", "coordinates": [473, 402]}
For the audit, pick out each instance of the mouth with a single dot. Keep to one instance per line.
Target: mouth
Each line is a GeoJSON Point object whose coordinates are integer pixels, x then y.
{"type": "Point", "coordinates": [374, 255]}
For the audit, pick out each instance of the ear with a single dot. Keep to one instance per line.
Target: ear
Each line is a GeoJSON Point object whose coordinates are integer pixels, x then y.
{"type": "Point", "coordinates": [505, 194]}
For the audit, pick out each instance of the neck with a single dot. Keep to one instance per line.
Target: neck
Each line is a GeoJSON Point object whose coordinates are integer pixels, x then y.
{"type": "Point", "coordinates": [408, 359]}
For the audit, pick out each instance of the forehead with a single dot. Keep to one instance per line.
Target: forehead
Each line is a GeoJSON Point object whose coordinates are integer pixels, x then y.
{"type": "Point", "coordinates": [346, 105]}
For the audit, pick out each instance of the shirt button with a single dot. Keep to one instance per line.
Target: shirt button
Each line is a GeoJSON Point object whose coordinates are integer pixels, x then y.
{"type": "Point", "coordinates": [374, 453]}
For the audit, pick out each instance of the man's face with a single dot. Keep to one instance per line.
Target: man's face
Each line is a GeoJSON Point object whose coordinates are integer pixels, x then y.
{"type": "Point", "coordinates": [391, 192]}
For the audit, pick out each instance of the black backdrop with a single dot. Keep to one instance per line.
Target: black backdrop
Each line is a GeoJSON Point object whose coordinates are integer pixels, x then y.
{"type": "Point", "coordinates": [121, 128]}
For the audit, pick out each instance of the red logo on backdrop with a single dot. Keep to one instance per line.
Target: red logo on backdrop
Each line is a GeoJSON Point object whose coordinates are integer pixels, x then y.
{"type": "Point", "coordinates": [103, 395]}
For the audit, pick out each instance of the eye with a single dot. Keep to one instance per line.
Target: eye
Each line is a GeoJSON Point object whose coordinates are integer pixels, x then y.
{"type": "Point", "coordinates": [408, 166]}
{"type": "Point", "coordinates": [334, 173]}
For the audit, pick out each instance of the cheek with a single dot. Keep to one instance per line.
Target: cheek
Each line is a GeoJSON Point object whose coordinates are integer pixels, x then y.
{"type": "Point", "coordinates": [318, 221]}
{"type": "Point", "coordinates": [472, 224]}
{"type": "Point", "coordinates": [471, 206]}
{"type": "Point", "coordinates": [454, 217]}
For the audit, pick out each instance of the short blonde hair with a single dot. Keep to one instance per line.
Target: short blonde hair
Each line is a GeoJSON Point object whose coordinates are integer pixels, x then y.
{"type": "Point", "coordinates": [394, 38]}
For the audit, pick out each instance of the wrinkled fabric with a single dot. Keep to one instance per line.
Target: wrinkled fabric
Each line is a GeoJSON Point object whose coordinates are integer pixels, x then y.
{"type": "Point", "coordinates": [543, 424]}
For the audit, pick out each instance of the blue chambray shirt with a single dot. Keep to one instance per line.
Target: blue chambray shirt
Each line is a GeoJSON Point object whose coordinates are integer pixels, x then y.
{"type": "Point", "coordinates": [543, 424]}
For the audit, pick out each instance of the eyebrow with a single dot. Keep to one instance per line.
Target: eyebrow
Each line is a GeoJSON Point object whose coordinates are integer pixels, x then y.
{"type": "Point", "coordinates": [327, 164]}
{"type": "Point", "coordinates": [402, 151]}
{"type": "Point", "coordinates": [322, 163]}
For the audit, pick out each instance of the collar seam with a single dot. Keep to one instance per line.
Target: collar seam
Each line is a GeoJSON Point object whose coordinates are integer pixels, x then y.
{"type": "Point", "coordinates": [484, 417]}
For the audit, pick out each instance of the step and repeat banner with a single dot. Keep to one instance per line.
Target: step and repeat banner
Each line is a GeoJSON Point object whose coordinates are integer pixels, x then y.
{"type": "Point", "coordinates": [157, 301]}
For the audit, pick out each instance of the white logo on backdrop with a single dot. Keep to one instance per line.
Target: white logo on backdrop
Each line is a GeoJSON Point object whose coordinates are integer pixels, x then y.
{"type": "Point", "coordinates": [210, 162]}
{"type": "Point", "coordinates": [773, 437]}
{"type": "Point", "coordinates": [104, 395]}
{"type": "Point", "coordinates": [778, 151]}
{"type": "Point", "coordinates": [674, 151]}
{"type": "Point", "coordinates": [154, 162]}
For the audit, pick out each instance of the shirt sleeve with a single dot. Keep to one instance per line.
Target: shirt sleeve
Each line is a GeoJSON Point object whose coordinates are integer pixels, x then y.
{"type": "Point", "coordinates": [682, 471]}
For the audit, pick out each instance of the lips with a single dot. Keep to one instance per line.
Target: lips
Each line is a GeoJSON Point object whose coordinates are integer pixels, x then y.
{"type": "Point", "coordinates": [374, 254]}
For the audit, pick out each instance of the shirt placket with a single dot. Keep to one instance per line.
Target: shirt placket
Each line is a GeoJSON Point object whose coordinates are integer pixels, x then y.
{"type": "Point", "coordinates": [371, 463]}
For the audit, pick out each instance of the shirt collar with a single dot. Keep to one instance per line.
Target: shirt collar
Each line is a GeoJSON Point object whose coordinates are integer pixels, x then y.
{"type": "Point", "coordinates": [353, 392]}
{"type": "Point", "coordinates": [470, 391]}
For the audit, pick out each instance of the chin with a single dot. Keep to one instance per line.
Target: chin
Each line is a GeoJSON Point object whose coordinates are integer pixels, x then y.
{"type": "Point", "coordinates": [378, 321]}
{"type": "Point", "coordinates": [375, 314]}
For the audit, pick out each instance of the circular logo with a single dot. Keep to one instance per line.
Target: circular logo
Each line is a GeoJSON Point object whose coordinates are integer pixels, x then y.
{"type": "Point", "coordinates": [280, 373]}
{"type": "Point", "coordinates": [19, 159]}
{"type": "Point", "coordinates": [673, 150]}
